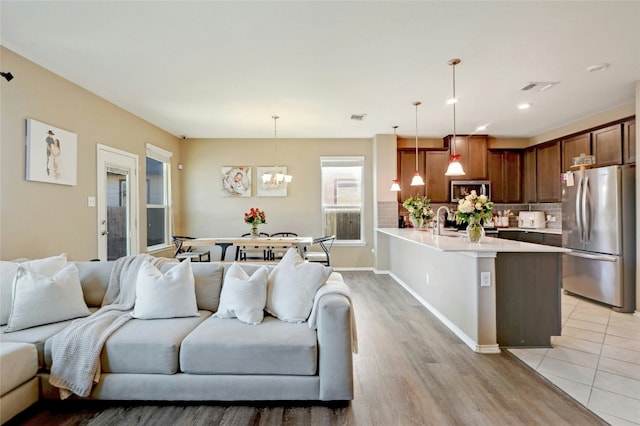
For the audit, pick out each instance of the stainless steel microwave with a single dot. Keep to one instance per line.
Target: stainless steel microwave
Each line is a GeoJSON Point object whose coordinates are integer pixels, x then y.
{"type": "Point", "coordinates": [462, 188]}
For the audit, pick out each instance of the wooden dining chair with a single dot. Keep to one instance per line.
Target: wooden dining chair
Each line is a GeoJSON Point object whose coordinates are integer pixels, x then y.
{"type": "Point", "coordinates": [248, 252]}
{"type": "Point", "coordinates": [278, 251]}
{"type": "Point", "coordinates": [181, 253]}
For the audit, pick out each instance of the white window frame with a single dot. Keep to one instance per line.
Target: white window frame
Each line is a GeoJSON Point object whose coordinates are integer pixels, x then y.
{"type": "Point", "coordinates": [164, 157]}
{"type": "Point", "coordinates": [328, 161]}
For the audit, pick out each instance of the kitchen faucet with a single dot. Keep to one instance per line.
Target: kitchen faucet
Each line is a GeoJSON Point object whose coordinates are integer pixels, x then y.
{"type": "Point", "coordinates": [437, 230]}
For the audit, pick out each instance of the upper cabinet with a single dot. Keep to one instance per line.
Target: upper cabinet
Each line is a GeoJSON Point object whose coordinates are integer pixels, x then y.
{"type": "Point", "coordinates": [432, 164]}
{"type": "Point", "coordinates": [436, 163]}
{"type": "Point", "coordinates": [607, 145]}
{"type": "Point", "coordinates": [505, 174]}
{"type": "Point", "coordinates": [529, 192]}
{"type": "Point", "coordinates": [629, 142]}
{"type": "Point", "coordinates": [473, 154]}
{"type": "Point", "coordinates": [573, 147]}
{"type": "Point", "coordinates": [548, 172]}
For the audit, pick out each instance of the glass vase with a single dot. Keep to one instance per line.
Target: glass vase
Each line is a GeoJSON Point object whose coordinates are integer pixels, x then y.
{"type": "Point", "coordinates": [475, 230]}
{"type": "Point", "coordinates": [255, 233]}
{"type": "Point", "coordinates": [416, 222]}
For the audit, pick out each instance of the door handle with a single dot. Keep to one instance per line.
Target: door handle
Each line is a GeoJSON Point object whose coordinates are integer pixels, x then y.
{"type": "Point", "coordinates": [579, 210]}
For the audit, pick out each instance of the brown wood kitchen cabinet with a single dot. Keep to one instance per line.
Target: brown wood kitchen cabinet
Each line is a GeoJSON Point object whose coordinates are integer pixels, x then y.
{"type": "Point", "coordinates": [607, 145]}
{"type": "Point", "coordinates": [432, 165]}
{"type": "Point", "coordinates": [473, 154]}
{"type": "Point", "coordinates": [505, 174]}
{"type": "Point", "coordinates": [629, 142]}
{"type": "Point", "coordinates": [548, 172]}
{"type": "Point", "coordinates": [529, 185]}
{"type": "Point", "coordinates": [573, 147]}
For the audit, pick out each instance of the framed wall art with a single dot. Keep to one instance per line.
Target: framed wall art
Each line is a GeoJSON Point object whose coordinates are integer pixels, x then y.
{"type": "Point", "coordinates": [271, 188]}
{"type": "Point", "coordinates": [52, 154]}
{"type": "Point", "coordinates": [236, 181]}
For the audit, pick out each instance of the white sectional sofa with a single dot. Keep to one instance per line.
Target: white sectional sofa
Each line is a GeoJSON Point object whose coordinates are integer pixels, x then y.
{"type": "Point", "coordinates": [199, 358]}
{"type": "Point", "coordinates": [18, 380]}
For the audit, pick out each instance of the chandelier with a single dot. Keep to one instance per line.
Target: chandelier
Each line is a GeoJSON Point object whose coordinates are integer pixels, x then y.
{"type": "Point", "coordinates": [276, 178]}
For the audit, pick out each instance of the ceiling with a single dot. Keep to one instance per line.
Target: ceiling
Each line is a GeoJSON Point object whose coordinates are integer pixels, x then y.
{"type": "Point", "coordinates": [213, 69]}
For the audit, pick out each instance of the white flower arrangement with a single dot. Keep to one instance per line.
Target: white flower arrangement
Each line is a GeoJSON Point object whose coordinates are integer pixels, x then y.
{"type": "Point", "coordinates": [474, 206]}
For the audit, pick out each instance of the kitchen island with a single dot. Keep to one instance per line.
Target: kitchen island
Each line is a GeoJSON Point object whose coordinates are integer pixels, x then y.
{"type": "Point", "coordinates": [494, 293]}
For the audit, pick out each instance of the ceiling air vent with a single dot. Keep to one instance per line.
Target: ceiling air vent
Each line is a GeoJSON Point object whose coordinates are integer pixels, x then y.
{"type": "Point", "coordinates": [540, 85]}
{"type": "Point", "coordinates": [358, 117]}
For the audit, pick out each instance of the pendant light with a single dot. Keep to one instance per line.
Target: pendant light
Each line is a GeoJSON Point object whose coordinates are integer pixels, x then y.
{"type": "Point", "coordinates": [455, 167]}
{"type": "Point", "coordinates": [275, 180]}
{"type": "Point", "coordinates": [417, 179]}
{"type": "Point", "coordinates": [395, 186]}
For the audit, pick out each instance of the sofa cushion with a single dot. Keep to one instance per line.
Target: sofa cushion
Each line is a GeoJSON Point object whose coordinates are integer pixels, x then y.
{"type": "Point", "coordinates": [208, 278]}
{"type": "Point", "coordinates": [47, 266]}
{"type": "Point", "coordinates": [243, 296]}
{"type": "Point", "coordinates": [228, 346]}
{"type": "Point", "coordinates": [18, 364]}
{"type": "Point", "coordinates": [94, 277]}
{"type": "Point", "coordinates": [37, 336]}
{"type": "Point", "coordinates": [144, 346]}
{"type": "Point", "coordinates": [39, 299]}
{"type": "Point", "coordinates": [292, 286]}
{"type": "Point", "coordinates": [168, 295]}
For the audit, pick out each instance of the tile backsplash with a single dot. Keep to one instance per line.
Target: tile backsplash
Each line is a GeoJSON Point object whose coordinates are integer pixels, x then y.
{"type": "Point", "coordinates": [550, 209]}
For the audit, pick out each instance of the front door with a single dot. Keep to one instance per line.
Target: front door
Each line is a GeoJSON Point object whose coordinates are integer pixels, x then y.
{"type": "Point", "coordinates": [117, 203]}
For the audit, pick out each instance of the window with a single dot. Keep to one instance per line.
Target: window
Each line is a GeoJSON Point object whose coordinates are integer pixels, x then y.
{"type": "Point", "coordinates": [342, 197]}
{"type": "Point", "coordinates": [158, 198]}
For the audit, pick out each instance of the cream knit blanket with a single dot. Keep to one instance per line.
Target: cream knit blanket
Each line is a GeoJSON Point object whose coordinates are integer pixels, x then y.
{"type": "Point", "coordinates": [335, 285]}
{"type": "Point", "coordinates": [75, 351]}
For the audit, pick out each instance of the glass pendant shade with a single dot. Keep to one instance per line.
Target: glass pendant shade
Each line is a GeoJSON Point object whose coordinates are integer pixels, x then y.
{"type": "Point", "coordinates": [395, 186]}
{"type": "Point", "coordinates": [455, 167]}
{"type": "Point", "coordinates": [417, 179]}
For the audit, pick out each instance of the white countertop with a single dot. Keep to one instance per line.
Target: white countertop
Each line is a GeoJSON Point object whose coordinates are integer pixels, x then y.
{"type": "Point", "coordinates": [458, 242]}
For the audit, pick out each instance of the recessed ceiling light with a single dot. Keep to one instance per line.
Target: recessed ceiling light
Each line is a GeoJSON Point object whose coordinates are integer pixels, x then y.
{"type": "Point", "coordinates": [598, 67]}
{"type": "Point", "coordinates": [524, 105]}
{"type": "Point", "coordinates": [481, 127]}
{"type": "Point", "coordinates": [452, 101]}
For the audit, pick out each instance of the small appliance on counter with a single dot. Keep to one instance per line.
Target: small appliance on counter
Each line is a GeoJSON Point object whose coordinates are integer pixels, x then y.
{"type": "Point", "coordinates": [531, 219]}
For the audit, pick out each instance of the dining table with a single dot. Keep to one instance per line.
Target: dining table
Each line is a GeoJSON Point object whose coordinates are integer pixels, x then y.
{"type": "Point", "coordinates": [225, 242]}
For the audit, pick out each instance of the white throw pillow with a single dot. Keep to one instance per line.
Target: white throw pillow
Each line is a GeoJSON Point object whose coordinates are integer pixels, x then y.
{"type": "Point", "coordinates": [292, 286]}
{"type": "Point", "coordinates": [243, 296]}
{"type": "Point", "coordinates": [39, 299]}
{"type": "Point", "coordinates": [169, 295]}
{"type": "Point", "coordinates": [47, 266]}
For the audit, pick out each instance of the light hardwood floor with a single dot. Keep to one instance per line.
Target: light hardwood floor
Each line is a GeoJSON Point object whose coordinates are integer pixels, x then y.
{"type": "Point", "coordinates": [410, 370]}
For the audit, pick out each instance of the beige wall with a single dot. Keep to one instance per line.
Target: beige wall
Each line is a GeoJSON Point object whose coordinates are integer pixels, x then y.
{"type": "Point", "coordinates": [208, 213]}
{"type": "Point", "coordinates": [41, 219]}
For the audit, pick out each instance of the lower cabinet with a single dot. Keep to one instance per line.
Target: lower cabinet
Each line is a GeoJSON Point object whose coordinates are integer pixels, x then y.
{"type": "Point", "coordinates": [546, 239]}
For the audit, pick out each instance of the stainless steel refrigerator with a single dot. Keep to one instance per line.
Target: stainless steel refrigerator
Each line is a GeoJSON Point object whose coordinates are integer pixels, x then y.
{"type": "Point", "coordinates": [598, 225]}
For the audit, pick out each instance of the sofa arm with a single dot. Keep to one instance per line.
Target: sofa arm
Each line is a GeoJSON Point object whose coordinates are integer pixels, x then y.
{"type": "Point", "coordinates": [334, 341]}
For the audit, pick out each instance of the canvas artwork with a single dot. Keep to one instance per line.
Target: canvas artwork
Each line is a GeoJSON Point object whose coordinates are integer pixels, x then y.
{"type": "Point", "coordinates": [52, 154]}
{"type": "Point", "coordinates": [236, 181]}
{"type": "Point", "coordinates": [270, 189]}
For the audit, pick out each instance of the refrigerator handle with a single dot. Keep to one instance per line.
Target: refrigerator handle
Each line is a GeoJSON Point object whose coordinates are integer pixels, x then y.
{"type": "Point", "coordinates": [586, 211]}
{"type": "Point", "coordinates": [578, 209]}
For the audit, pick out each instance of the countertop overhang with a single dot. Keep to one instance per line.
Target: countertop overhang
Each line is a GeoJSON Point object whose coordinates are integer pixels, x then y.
{"type": "Point", "coordinates": [450, 241]}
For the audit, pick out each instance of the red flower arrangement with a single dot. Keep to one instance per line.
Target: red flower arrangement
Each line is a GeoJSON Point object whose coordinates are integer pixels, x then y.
{"type": "Point", "coordinates": [255, 217]}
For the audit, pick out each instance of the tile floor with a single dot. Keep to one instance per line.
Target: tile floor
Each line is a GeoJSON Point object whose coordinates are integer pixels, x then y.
{"type": "Point", "coordinates": [596, 360]}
